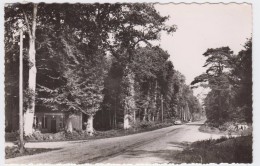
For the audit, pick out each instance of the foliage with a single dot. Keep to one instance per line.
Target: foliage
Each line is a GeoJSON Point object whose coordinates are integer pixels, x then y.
{"type": "Point", "coordinates": [12, 152]}
{"type": "Point", "coordinates": [229, 77]}
{"type": "Point", "coordinates": [91, 58]}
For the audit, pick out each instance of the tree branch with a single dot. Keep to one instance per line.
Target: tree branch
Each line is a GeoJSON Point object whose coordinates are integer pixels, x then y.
{"type": "Point", "coordinates": [27, 23]}
{"type": "Point", "coordinates": [34, 20]}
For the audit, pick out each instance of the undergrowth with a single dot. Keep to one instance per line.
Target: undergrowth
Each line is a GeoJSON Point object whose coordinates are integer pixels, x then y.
{"type": "Point", "coordinates": [12, 152]}
{"type": "Point", "coordinates": [223, 150]}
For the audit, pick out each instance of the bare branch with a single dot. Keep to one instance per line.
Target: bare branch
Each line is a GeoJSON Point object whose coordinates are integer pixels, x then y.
{"type": "Point", "coordinates": [27, 23]}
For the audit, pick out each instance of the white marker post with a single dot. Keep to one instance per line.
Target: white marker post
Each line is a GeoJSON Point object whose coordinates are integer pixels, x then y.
{"type": "Point", "coordinates": [21, 92]}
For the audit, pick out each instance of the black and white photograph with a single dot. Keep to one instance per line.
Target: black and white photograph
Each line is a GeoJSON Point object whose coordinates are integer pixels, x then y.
{"type": "Point", "coordinates": [128, 83]}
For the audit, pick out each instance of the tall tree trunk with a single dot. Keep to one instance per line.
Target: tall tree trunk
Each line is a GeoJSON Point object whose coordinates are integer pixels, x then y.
{"type": "Point", "coordinates": [158, 116]}
{"type": "Point", "coordinates": [29, 114]}
{"type": "Point", "coordinates": [155, 99]}
{"type": "Point", "coordinates": [134, 116]}
{"type": "Point", "coordinates": [69, 127]}
{"type": "Point", "coordinates": [126, 121]}
{"type": "Point", "coordinates": [145, 114]}
{"type": "Point", "coordinates": [115, 125]}
{"type": "Point", "coordinates": [162, 106]}
{"type": "Point", "coordinates": [115, 120]}
{"type": "Point", "coordinates": [129, 101]}
{"type": "Point", "coordinates": [109, 118]}
{"type": "Point", "coordinates": [219, 106]}
{"type": "Point", "coordinates": [90, 128]}
{"type": "Point", "coordinates": [126, 116]}
{"type": "Point", "coordinates": [181, 113]}
{"type": "Point", "coordinates": [149, 117]}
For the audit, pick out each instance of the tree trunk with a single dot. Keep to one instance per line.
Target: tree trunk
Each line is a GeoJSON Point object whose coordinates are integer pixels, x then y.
{"type": "Point", "coordinates": [126, 118]}
{"type": "Point", "coordinates": [145, 114]}
{"type": "Point", "coordinates": [162, 106]}
{"type": "Point", "coordinates": [149, 116]}
{"type": "Point", "coordinates": [90, 128]}
{"type": "Point", "coordinates": [115, 123]}
{"type": "Point", "coordinates": [180, 112]}
{"type": "Point", "coordinates": [109, 116]}
{"type": "Point", "coordinates": [158, 116]}
{"type": "Point", "coordinates": [155, 102]}
{"type": "Point", "coordinates": [29, 114]}
{"type": "Point", "coordinates": [69, 127]}
{"type": "Point", "coordinates": [115, 120]}
{"type": "Point", "coordinates": [126, 121]}
{"type": "Point", "coordinates": [129, 103]}
{"type": "Point", "coordinates": [185, 115]}
{"type": "Point", "coordinates": [134, 116]}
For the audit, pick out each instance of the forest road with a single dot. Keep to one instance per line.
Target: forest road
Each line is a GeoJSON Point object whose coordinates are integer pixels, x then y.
{"type": "Point", "coordinates": [156, 146]}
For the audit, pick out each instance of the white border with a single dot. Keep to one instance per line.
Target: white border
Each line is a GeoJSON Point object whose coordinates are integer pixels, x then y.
{"type": "Point", "coordinates": [256, 63]}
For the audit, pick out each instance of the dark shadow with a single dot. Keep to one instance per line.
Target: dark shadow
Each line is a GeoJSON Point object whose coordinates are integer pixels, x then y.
{"type": "Point", "coordinates": [180, 144]}
{"type": "Point", "coordinates": [12, 152]}
{"type": "Point", "coordinates": [79, 141]}
{"type": "Point", "coordinates": [193, 124]}
{"type": "Point", "coordinates": [168, 155]}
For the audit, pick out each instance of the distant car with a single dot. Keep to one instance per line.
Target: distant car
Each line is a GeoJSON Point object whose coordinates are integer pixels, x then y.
{"type": "Point", "coordinates": [177, 122]}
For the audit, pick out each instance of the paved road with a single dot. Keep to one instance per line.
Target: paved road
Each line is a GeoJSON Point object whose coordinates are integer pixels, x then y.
{"type": "Point", "coordinates": [156, 146]}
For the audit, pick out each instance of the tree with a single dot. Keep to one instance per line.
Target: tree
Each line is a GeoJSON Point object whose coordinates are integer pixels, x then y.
{"type": "Point", "coordinates": [19, 14]}
{"type": "Point", "coordinates": [243, 78]}
{"type": "Point", "coordinates": [111, 111]}
{"type": "Point", "coordinates": [223, 75]}
{"type": "Point", "coordinates": [148, 78]}
{"type": "Point", "coordinates": [81, 91]}
{"type": "Point", "coordinates": [29, 113]}
{"type": "Point", "coordinates": [127, 95]}
{"type": "Point", "coordinates": [136, 23]}
{"type": "Point", "coordinates": [70, 33]}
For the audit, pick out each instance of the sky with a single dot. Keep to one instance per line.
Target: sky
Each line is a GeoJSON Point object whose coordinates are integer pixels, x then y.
{"type": "Point", "coordinates": [203, 26]}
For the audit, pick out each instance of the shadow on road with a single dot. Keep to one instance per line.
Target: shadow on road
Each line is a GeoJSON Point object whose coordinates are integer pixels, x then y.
{"type": "Point", "coordinates": [194, 124]}
{"type": "Point", "coordinates": [160, 155]}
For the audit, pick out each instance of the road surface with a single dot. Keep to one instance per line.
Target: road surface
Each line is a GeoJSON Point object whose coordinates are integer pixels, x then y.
{"type": "Point", "coordinates": [158, 146]}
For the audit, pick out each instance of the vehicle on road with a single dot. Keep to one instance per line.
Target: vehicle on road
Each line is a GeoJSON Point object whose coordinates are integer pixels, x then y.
{"type": "Point", "coordinates": [177, 122]}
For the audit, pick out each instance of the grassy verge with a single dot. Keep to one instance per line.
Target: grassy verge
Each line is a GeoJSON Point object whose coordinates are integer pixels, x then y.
{"type": "Point", "coordinates": [12, 152]}
{"type": "Point", "coordinates": [223, 150]}
{"type": "Point", "coordinates": [228, 128]}
{"type": "Point", "coordinates": [81, 135]}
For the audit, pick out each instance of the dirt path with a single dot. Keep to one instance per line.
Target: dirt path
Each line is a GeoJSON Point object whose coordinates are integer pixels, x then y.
{"type": "Point", "coordinates": [149, 147]}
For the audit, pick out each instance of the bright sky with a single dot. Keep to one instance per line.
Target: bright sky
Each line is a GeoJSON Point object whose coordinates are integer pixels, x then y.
{"type": "Point", "coordinates": [203, 26]}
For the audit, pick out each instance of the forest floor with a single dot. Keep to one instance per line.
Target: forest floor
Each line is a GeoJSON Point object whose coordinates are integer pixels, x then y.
{"type": "Point", "coordinates": [157, 146]}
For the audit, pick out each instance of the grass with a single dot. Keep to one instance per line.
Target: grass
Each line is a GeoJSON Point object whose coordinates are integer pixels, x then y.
{"type": "Point", "coordinates": [228, 128]}
{"type": "Point", "coordinates": [223, 150]}
{"type": "Point", "coordinates": [81, 135]}
{"type": "Point", "coordinates": [12, 152]}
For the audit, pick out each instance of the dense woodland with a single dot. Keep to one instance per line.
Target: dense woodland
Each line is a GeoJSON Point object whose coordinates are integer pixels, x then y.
{"type": "Point", "coordinates": [97, 59]}
{"type": "Point", "coordinates": [229, 77]}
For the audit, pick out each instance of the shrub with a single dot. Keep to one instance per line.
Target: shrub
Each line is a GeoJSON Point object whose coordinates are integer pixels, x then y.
{"type": "Point", "coordinates": [12, 152]}
{"type": "Point", "coordinates": [12, 136]}
{"type": "Point", "coordinates": [142, 125]}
